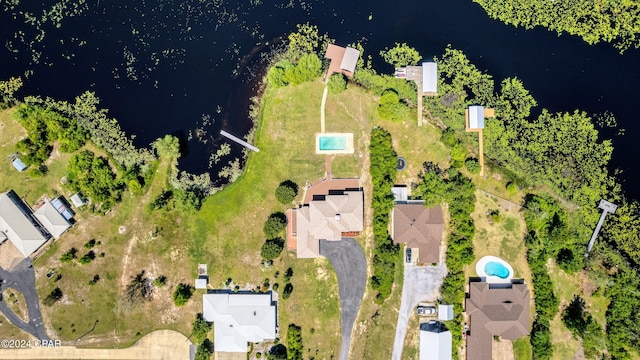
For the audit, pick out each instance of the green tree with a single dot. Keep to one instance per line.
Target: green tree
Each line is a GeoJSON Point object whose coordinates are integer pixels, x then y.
{"type": "Point", "coordinates": [204, 350]}
{"type": "Point", "coordinates": [305, 40]}
{"type": "Point", "coordinates": [337, 83]}
{"type": "Point", "coordinates": [199, 329]}
{"type": "Point", "coordinates": [182, 294]}
{"type": "Point", "coordinates": [272, 248]}
{"type": "Point", "coordinates": [275, 225]}
{"type": "Point", "coordinates": [472, 165]}
{"type": "Point", "coordinates": [288, 289]}
{"type": "Point", "coordinates": [277, 352]}
{"type": "Point", "coordinates": [286, 192]}
{"type": "Point", "coordinates": [54, 296]}
{"type": "Point", "coordinates": [294, 342]}
{"type": "Point", "coordinates": [401, 55]}
{"type": "Point", "coordinates": [167, 146]}
{"type": "Point", "coordinates": [391, 108]}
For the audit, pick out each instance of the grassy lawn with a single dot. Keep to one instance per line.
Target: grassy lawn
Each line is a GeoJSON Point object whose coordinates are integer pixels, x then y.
{"type": "Point", "coordinates": [120, 256]}
{"type": "Point", "coordinates": [522, 349]}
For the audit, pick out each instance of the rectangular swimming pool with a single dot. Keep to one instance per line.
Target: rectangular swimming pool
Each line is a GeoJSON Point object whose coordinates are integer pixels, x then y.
{"type": "Point", "coordinates": [332, 142]}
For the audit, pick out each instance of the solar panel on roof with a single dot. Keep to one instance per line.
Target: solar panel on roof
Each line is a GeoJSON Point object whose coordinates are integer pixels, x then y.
{"type": "Point", "coordinates": [57, 204]}
{"type": "Point", "coordinates": [67, 214]}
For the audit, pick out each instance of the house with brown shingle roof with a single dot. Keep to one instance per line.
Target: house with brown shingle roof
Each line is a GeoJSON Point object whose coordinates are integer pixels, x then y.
{"type": "Point", "coordinates": [328, 217]}
{"type": "Point", "coordinates": [420, 228]}
{"type": "Point", "coordinates": [496, 310]}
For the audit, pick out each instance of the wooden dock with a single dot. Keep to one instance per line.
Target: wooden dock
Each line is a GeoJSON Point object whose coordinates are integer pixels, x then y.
{"type": "Point", "coordinates": [239, 141]}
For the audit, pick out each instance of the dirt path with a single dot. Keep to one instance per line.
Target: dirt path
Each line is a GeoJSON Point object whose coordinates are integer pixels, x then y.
{"type": "Point", "coordinates": [159, 182]}
{"type": "Point", "coordinates": [158, 345]}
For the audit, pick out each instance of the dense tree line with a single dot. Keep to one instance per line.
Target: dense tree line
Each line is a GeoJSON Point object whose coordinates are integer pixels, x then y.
{"type": "Point", "coordinates": [386, 255]}
{"type": "Point", "coordinates": [582, 324]}
{"type": "Point", "coordinates": [43, 127]}
{"type": "Point", "coordinates": [595, 21]}
{"type": "Point", "coordinates": [105, 132]}
{"type": "Point", "coordinates": [437, 187]}
{"type": "Point", "coordinates": [93, 176]}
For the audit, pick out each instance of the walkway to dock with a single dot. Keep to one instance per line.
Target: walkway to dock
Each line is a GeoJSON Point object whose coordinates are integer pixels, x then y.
{"type": "Point", "coordinates": [322, 105]}
{"type": "Point", "coordinates": [239, 141]}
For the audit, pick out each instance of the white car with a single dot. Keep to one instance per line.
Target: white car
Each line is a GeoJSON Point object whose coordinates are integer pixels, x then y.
{"type": "Point", "coordinates": [426, 310]}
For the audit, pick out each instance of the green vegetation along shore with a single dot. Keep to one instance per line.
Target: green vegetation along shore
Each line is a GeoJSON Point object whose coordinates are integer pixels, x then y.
{"type": "Point", "coordinates": [535, 205]}
{"type": "Point", "coordinates": [609, 21]}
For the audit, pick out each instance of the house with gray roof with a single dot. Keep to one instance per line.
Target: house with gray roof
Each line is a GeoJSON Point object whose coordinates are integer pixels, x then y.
{"type": "Point", "coordinates": [240, 318]}
{"type": "Point", "coordinates": [496, 310]}
{"type": "Point", "coordinates": [19, 226]}
{"type": "Point", "coordinates": [328, 217]}
{"type": "Point", "coordinates": [435, 341]}
{"type": "Point", "coordinates": [51, 219]}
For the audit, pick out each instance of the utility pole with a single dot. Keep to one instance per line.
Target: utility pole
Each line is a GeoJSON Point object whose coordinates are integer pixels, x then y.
{"type": "Point", "coordinates": [606, 207]}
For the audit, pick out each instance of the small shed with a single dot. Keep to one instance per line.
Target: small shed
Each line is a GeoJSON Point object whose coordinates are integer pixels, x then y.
{"type": "Point", "coordinates": [445, 312]}
{"type": "Point", "coordinates": [202, 282]}
{"type": "Point", "coordinates": [400, 193]}
{"type": "Point", "coordinates": [77, 200]}
{"type": "Point", "coordinates": [19, 165]}
{"type": "Point", "coordinates": [430, 78]}
{"type": "Point", "coordinates": [476, 117]}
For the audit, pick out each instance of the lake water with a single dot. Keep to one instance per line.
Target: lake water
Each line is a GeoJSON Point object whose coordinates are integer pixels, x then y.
{"type": "Point", "coordinates": [173, 66]}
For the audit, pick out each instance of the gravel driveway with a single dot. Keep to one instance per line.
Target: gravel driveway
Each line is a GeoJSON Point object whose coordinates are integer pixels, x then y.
{"type": "Point", "coordinates": [421, 283]}
{"type": "Point", "coordinates": [350, 265]}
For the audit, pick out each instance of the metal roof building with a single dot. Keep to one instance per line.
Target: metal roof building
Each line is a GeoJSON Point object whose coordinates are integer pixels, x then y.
{"type": "Point", "coordinates": [476, 117]}
{"type": "Point", "coordinates": [430, 78]}
{"type": "Point", "coordinates": [435, 341]}
{"type": "Point", "coordinates": [240, 318]}
{"type": "Point", "coordinates": [17, 224]}
{"type": "Point", "coordinates": [51, 219]}
{"type": "Point", "coordinates": [18, 164]}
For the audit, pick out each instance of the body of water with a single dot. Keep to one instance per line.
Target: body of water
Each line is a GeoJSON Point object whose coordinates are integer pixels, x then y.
{"type": "Point", "coordinates": [189, 67]}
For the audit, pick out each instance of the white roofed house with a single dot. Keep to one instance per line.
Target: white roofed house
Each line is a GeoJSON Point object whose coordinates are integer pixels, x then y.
{"type": "Point", "coordinates": [19, 226]}
{"type": "Point", "coordinates": [435, 341]}
{"type": "Point", "coordinates": [51, 219]}
{"type": "Point", "coordinates": [240, 318]}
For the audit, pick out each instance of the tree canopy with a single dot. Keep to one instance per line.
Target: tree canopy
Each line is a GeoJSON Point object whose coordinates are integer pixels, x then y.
{"type": "Point", "coordinates": [401, 55]}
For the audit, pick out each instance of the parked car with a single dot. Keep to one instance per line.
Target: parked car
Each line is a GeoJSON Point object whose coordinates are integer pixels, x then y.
{"type": "Point", "coordinates": [408, 256]}
{"type": "Point", "coordinates": [426, 310]}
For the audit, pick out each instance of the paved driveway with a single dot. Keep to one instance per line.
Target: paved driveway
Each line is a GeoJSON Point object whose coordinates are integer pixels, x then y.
{"type": "Point", "coordinates": [22, 278]}
{"type": "Point", "coordinates": [421, 283]}
{"type": "Point", "coordinates": [348, 260]}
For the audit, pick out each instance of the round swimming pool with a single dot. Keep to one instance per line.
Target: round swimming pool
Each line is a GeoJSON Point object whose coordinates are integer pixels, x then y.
{"type": "Point", "coordinates": [494, 268]}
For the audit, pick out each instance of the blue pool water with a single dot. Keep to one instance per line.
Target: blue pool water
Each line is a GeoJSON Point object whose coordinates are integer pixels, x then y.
{"type": "Point", "coordinates": [332, 142]}
{"type": "Point", "coordinates": [493, 268]}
